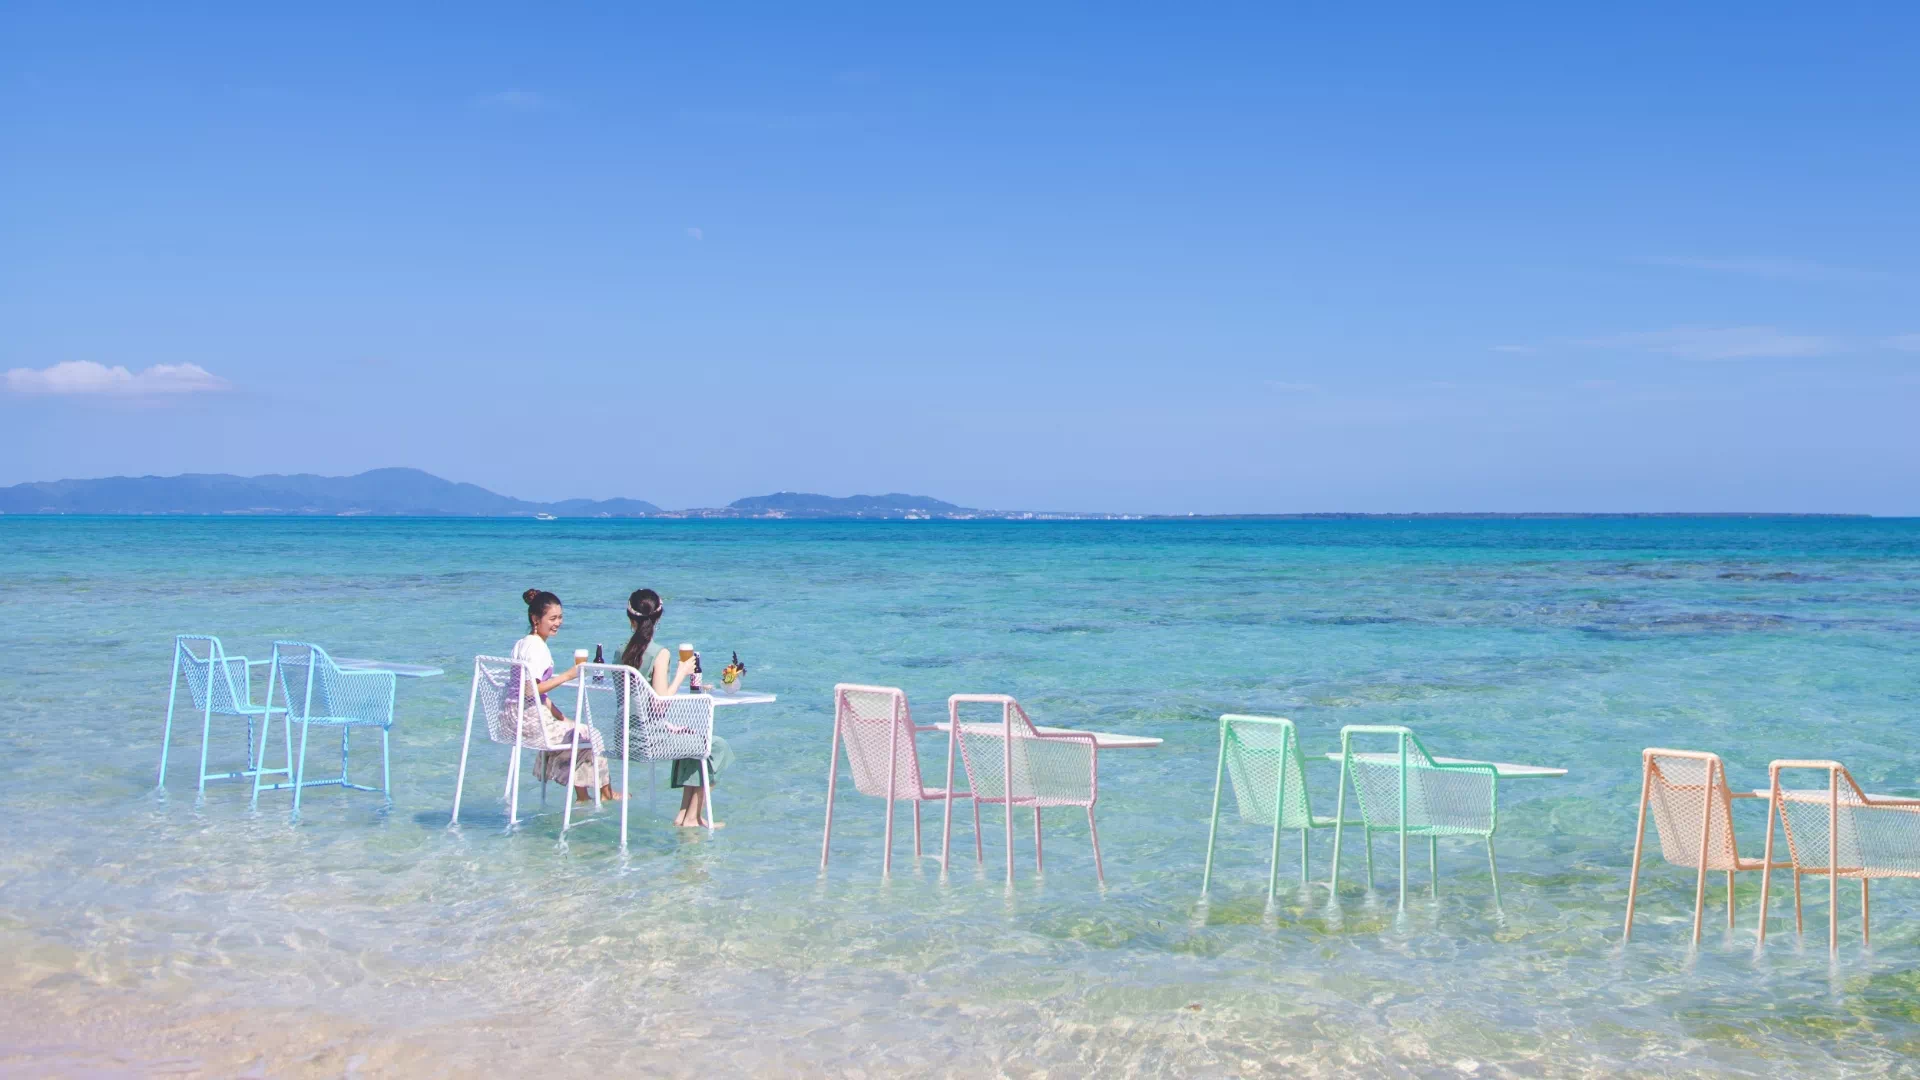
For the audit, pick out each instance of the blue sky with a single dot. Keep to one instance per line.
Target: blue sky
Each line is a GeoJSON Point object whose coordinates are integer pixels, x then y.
{"type": "Point", "coordinates": [1260, 258]}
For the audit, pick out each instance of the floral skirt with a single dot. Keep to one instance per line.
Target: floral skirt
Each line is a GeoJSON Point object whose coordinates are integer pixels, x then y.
{"type": "Point", "coordinates": [590, 770]}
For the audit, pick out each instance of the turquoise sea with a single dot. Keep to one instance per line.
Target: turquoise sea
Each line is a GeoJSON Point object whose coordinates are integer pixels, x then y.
{"type": "Point", "coordinates": [147, 933]}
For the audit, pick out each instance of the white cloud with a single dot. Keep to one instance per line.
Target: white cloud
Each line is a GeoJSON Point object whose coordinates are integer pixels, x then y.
{"type": "Point", "coordinates": [87, 377]}
{"type": "Point", "coordinates": [696, 232]}
{"type": "Point", "coordinates": [1763, 266]}
{"type": "Point", "coordinates": [1717, 343]}
{"type": "Point", "coordinates": [519, 101]}
{"type": "Point", "coordinates": [1903, 342]}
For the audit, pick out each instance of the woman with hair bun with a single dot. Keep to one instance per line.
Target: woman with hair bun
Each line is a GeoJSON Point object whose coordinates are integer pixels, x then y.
{"type": "Point", "coordinates": [543, 719]}
{"type": "Point", "coordinates": [643, 654]}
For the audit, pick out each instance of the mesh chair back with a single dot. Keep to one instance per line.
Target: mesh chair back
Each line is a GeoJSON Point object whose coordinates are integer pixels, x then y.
{"type": "Point", "coordinates": [1263, 760]}
{"type": "Point", "coordinates": [502, 692]}
{"type": "Point", "coordinates": [646, 726]}
{"type": "Point", "coordinates": [318, 692]}
{"type": "Point", "coordinates": [1682, 802]}
{"type": "Point", "coordinates": [874, 722]}
{"type": "Point", "coordinates": [1442, 800]}
{"type": "Point", "coordinates": [1007, 759]}
{"type": "Point", "coordinates": [1845, 828]}
{"type": "Point", "coordinates": [209, 672]}
{"type": "Point", "coordinates": [600, 696]}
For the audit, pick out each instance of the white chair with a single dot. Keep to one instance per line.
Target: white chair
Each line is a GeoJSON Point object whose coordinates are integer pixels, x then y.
{"type": "Point", "coordinates": [1012, 763]}
{"type": "Point", "coordinates": [646, 726]}
{"type": "Point", "coordinates": [877, 729]}
{"type": "Point", "coordinates": [502, 691]}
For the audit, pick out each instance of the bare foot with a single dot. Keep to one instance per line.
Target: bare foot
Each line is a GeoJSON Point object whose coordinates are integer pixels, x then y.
{"type": "Point", "coordinates": [607, 794]}
{"type": "Point", "coordinates": [699, 824]}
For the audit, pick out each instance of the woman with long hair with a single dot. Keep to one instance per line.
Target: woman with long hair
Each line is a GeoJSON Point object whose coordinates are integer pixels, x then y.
{"type": "Point", "coordinates": [643, 654]}
{"type": "Point", "coordinates": [543, 719]}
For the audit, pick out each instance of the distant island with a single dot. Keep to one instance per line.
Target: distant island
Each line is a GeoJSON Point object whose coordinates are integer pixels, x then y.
{"type": "Point", "coordinates": [383, 492]}
{"type": "Point", "coordinates": [413, 493]}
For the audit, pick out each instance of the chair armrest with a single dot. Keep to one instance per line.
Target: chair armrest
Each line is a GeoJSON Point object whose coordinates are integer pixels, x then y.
{"type": "Point", "coordinates": [1067, 736]}
{"type": "Point", "coordinates": [251, 663]}
{"type": "Point", "coordinates": [1749, 795]}
{"type": "Point", "coordinates": [1487, 767]}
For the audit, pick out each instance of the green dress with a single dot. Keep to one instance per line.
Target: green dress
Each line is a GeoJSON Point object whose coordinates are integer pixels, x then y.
{"type": "Point", "coordinates": [688, 769]}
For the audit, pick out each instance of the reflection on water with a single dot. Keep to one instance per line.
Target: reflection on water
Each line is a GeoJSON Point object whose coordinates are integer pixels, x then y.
{"type": "Point", "coordinates": [145, 933]}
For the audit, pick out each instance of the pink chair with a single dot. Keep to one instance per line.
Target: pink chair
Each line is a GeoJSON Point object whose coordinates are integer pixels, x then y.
{"type": "Point", "coordinates": [1012, 763]}
{"type": "Point", "coordinates": [1693, 813]}
{"type": "Point", "coordinates": [877, 729]}
{"type": "Point", "coordinates": [1840, 831]}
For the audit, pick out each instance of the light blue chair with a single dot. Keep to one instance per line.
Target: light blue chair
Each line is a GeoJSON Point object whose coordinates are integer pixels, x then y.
{"type": "Point", "coordinates": [1409, 792]}
{"type": "Point", "coordinates": [314, 690]}
{"type": "Point", "coordinates": [219, 685]}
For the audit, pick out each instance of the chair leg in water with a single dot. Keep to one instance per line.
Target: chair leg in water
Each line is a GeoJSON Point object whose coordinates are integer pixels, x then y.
{"type": "Point", "coordinates": [1495, 868]}
{"type": "Point", "coordinates": [206, 736]}
{"type": "Point", "coordinates": [1099, 868]}
{"type": "Point", "coordinates": [300, 772]}
{"type": "Point", "coordinates": [706, 793]}
{"type": "Point", "coordinates": [513, 789]}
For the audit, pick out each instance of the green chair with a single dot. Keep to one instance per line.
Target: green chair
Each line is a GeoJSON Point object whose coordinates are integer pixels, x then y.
{"type": "Point", "coordinates": [1261, 754]}
{"type": "Point", "coordinates": [1409, 792]}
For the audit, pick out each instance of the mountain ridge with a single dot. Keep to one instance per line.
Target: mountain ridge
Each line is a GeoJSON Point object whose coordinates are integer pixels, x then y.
{"type": "Point", "coordinates": [404, 492]}
{"type": "Point", "coordinates": [376, 492]}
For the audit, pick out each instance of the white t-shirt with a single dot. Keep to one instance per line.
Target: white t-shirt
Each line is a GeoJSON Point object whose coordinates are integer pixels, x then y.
{"type": "Point", "coordinates": [532, 651]}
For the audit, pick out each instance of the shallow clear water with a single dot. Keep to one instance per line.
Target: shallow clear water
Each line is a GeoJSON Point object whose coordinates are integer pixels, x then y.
{"type": "Point", "coordinates": [143, 932]}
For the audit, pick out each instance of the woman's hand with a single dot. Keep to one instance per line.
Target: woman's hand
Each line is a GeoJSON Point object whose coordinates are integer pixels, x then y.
{"type": "Point", "coordinates": [562, 679]}
{"type": "Point", "coordinates": [680, 676]}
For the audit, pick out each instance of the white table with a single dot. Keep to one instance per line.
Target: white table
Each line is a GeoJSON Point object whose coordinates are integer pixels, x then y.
{"type": "Point", "coordinates": [1500, 768]}
{"type": "Point", "coordinates": [404, 671]}
{"type": "Point", "coordinates": [1103, 740]}
{"type": "Point", "coordinates": [742, 699]}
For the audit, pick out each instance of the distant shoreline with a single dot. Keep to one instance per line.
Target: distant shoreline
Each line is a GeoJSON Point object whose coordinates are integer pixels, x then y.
{"type": "Point", "coordinates": [400, 492]}
{"type": "Point", "coordinates": [979, 516]}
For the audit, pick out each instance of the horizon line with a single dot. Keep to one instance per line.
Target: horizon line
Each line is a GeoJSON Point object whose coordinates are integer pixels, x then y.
{"type": "Point", "coordinates": [1009, 516]}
